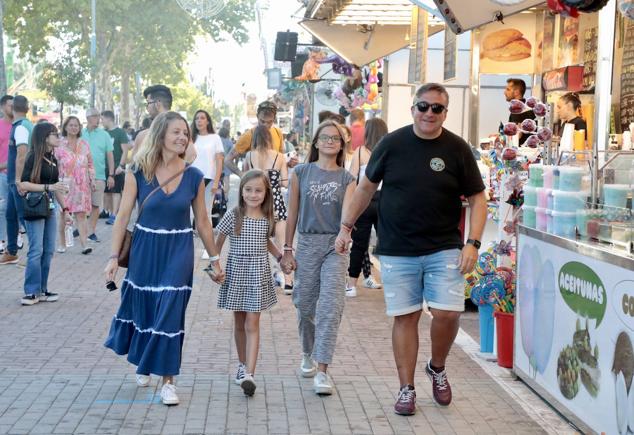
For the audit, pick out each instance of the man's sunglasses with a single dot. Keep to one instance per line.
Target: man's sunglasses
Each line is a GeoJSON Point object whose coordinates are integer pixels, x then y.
{"type": "Point", "coordinates": [423, 106]}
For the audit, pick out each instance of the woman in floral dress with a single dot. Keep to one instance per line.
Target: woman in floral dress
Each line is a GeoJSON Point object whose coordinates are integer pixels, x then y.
{"type": "Point", "coordinates": [77, 169]}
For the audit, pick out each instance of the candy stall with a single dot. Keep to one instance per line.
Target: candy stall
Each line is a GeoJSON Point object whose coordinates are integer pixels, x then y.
{"type": "Point", "coordinates": [574, 313]}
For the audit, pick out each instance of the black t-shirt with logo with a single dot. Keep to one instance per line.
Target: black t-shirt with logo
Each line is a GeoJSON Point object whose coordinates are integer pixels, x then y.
{"type": "Point", "coordinates": [419, 205]}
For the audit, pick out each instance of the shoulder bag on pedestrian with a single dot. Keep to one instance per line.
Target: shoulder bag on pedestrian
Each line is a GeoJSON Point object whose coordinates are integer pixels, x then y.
{"type": "Point", "coordinates": [37, 205]}
{"type": "Point", "coordinates": [124, 253]}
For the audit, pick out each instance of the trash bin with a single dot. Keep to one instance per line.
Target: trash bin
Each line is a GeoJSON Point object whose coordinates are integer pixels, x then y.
{"type": "Point", "coordinates": [504, 328]}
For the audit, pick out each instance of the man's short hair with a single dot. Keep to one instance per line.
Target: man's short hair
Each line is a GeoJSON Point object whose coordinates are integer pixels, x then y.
{"type": "Point", "coordinates": [161, 93]}
{"type": "Point", "coordinates": [108, 114]}
{"type": "Point", "coordinates": [20, 104]}
{"type": "Point", "coordinates": [432, 87]}
{"type": "Point", "coordinates": [357, 115]}
{"type": "Point", "coordinates": [326, 115]}
{"type": "Point", "coordinates": [5, 98]}
{"type": "Point", "coordinates": [519, 85]}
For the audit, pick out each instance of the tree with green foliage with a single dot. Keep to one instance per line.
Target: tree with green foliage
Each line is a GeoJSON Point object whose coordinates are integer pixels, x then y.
{"type": "Point", "coordinates": [63, 79]}
{"type": "Point", "coordinates": [147, 37]}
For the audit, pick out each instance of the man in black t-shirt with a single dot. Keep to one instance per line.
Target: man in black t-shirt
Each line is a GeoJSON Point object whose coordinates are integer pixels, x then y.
{"type": "Point", "coordinates": [425, 169]}
{"type": "Point", "coordinates": [515, 90]}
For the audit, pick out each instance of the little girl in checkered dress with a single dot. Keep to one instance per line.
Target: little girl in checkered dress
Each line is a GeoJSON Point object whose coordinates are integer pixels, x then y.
{"type": "Point", "coordinates": [248, 287]}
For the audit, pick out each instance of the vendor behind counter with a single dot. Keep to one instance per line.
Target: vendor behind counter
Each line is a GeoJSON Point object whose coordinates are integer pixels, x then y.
{"type": "Point", "coordinates": [569, 112]}
{"type": "Point", "coordinates": [515, 90]}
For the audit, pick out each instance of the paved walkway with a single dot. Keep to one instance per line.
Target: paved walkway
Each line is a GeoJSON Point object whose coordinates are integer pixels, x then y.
{"type": "Point", "coordinates": [57, 378]}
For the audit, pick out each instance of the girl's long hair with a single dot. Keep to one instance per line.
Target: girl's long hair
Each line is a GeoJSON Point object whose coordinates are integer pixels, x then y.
{"type": "Point", "coordinates": [375, 129]}
{"type": "Point", "coordinates": [39, 147]}
{"type": "Point", "coordinates": [67, 121]}
{"type": "Point", "coordinates": [262, 139]}
{"type": "Point", "coordinates": [150, 153]}
{"type": "Point", "coordinates": [313, 156]}
{"type": "Point", "coordinates": [575, 101]}
{"type": "Point", "coordinates": [267, 205]}
{"type": "Point", "coordinates": [194, 129]}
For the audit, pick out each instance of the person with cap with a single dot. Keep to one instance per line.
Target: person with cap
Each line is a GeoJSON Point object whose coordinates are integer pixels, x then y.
{"type": "Point", "coordinates": [101, 150]}
{"type": "Point", "coordinates": [19, 140]}
{"type": "Point", "coordinates": [266, 114]}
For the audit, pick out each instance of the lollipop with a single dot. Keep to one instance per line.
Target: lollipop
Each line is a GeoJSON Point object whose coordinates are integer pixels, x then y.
{"type": "Point", "coordinates": [510, 129]}
{"type": "Point", "coordinates": [477, 296]}
{"type": "Point", "coordinates": [532, 141]}
{"type": "Point", "coordinates": [528, 126]}
{"type": "Point", "coordinates": [507, 276]}
{"type": "Point", "coordinates": [485, 264]}
{"type": "Point", "coordinates": [509, 154]}
{"type": "Point", "coordinates": [544, 134]}
{"type": "Point", "coordinates": [516, 107]}
{"type": "Point", "coordinates": [493, 286]}
{"type": "Point", "coordinates": [531, 102]}
{"type": "Point", "coordinates": [540, 109]}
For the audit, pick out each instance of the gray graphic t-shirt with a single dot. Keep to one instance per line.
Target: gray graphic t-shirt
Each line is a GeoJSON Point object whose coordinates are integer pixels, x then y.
{"type": "Point", "coordinates": [321, 196]}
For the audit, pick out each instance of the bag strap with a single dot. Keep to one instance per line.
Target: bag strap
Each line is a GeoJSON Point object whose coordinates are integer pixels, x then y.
{"type": "Point", "coordinates": [163, 184]}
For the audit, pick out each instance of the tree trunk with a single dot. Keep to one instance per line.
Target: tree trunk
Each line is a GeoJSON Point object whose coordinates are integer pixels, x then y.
{"type": "Point", "coordinates": [61, 114]}
{"type": "Point", "coordinates": [3, 75]}
{"type": "Point", "coordinates": [125, 96]}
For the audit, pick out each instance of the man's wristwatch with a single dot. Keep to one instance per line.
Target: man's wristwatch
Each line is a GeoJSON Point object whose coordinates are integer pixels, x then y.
{"type": "Point", "coordinates": [476, 243]}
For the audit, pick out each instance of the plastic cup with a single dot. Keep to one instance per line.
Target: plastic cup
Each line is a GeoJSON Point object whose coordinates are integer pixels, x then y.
{"type": "Point", "coordinates": [529, 216]}
{"type": "Point", "coordinates": [541, 218]}
{"type": "Point", "coordinates": [569, 201]}
{"type": "Point", "coordinates": [543, 195]}
{"type": "Point", "coordinates": [615, 195]}
{"type": "Point", "coordinates": [530, 195]}
{"type": "Point", "coordinates": [570, 178]}
{"type": "Point", "coordinates": [564, 224]}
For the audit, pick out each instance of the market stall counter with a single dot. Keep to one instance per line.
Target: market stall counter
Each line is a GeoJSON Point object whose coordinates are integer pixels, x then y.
{"type": "Point", "coordinates": [574, 328]}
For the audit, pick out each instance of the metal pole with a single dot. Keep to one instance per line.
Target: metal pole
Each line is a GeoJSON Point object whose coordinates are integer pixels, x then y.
{"type": "Point", "coordinates": [474, 87]}
{"type": "Point", "coordinates": [93, 51]}
{"type": "Point", "coordinates": [603, 89]}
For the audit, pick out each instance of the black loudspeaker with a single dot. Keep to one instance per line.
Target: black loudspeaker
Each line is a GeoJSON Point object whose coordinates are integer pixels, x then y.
{"type": "Point", "coordinates": [285, 46]}
{"type": "Point", "coordinates": [298, 64]}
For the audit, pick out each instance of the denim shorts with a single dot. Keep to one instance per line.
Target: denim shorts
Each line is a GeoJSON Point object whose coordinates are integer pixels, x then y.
{"type": "Point", "coordinates": [434, 278]}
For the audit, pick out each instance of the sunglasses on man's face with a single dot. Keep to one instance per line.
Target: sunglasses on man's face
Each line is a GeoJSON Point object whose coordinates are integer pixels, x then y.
{"type": "Point", "coordinates": [424, 106]}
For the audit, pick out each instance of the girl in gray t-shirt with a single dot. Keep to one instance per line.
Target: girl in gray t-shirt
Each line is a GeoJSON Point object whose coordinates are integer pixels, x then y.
{"type": "Point", "coordinates": [318, 190]}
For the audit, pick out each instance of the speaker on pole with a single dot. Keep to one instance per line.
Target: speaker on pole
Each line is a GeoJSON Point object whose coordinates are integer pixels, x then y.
{"type": "Point", "coordinates": [285, 46]}
{"type": "Point", "coordinates": [298, 64]}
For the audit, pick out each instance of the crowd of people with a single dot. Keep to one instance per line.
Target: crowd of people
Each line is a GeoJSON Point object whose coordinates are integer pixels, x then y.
{"type": "Point", "coordinates": [313, 218]}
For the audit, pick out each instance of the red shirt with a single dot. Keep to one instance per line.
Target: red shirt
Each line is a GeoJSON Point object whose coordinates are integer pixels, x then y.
{"type": "Point", "coordinates": [357, 130]}
{"type": "Point", "coordinates": [5, 132]}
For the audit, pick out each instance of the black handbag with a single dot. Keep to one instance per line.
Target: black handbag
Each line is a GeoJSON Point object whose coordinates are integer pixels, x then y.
{"type": "Point", "coordinates": [37, 205]}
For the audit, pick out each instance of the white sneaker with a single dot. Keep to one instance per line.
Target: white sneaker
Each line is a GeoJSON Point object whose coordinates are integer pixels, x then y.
{"type": "Point", "coordinates": [351, 292]}
{"type": "Point", "coordinates": [168, 394]}
{"type": "Point", "coordinates": [370, 283]}
{"type": "Point", "coordinates": [240, 374]}
{"type": "Point", "coordinates": [308, 367]}
{"type": "Point", "coordinates": [322, 384]}
{"type": "Point", "coordinates": [143, 380]}
{"type": "Point", "coordinates": [248, 384]}
{"type": "Point", "coordinates": [61, 250]}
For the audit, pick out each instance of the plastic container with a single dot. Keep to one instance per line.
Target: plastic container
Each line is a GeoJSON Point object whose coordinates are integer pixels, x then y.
{"type": "Point", "coordinates": [536, 174]}
{"type": "Point", "coordinates": [556, 177]}
{"type": "Point", "coordinates": [68, 235]}
{"type": "Point", "coordinates": [583, 217]}
{"type": "Point", "coordinates": [570, 178]}
{"type": "Point", "coordinates": [615, 195]}
{"type": "Point", "coordinates": [541, 218]}
{"type": "Point", "coordinates": [549, 174]}
{"type": "Point", "coordinates": [530, 195]}
{"type": "Point", "coordinates": [564, 224]}
{"type": "Point", "coordinates": [529, 216]}
{"type": "Point", "coordinates": [542, 197]}
{"type": "Point", "coordinates": [485, 314]}
{"type": "Point", "coordinates": [504, 326]}
{"type": "Point", "coordinates": [549, 222]}
{"type": "Point", "coordinates": [569, 201]}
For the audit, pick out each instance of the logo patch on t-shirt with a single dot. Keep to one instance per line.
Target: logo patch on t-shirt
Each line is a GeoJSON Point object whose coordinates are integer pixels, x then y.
{"type": "Point", "coordinates": [437, 164]}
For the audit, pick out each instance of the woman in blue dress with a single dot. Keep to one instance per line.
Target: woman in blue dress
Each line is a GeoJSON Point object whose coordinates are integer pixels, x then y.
{"type": "Point", "coordinates": [149, 325]}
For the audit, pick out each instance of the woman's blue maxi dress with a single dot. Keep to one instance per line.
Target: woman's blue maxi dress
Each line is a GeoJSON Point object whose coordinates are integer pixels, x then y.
{"type": "Point", "coordinates": [149, 325]}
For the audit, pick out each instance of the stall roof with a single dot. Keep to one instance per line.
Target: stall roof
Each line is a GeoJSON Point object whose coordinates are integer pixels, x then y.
{"type": "Point", "coordinates": [361, 31]}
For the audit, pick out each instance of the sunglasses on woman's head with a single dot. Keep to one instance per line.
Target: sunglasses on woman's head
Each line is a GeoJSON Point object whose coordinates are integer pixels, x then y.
{"type": "Point", "coordinates": [424, 106]}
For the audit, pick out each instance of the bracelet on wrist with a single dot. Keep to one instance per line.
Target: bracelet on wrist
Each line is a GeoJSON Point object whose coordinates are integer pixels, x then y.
{"type": "Point", "coordinates": [214, 258]}
{"type": "Point", "coordinates": [347, 227]}
{"type": "Point", "coordinates": [288, 248]}
{"type": "Point", "coordinates": [113, 257]}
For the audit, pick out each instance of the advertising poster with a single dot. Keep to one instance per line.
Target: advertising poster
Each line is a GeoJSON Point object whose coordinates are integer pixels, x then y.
{"type": "Point", "coordinates": [568, 53]}
{"type": "Point", "coordinates": [508, 48]}
{"type": "Point", "coordinates": [574, 333]}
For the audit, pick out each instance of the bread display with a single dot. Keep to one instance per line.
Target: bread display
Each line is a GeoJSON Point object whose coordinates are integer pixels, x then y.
{"type": "Point", "coordinates": [506, 45]}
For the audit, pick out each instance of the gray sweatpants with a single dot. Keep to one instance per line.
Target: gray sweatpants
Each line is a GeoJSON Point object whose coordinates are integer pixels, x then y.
{"type": "Point", "coordinates": [319, 294]}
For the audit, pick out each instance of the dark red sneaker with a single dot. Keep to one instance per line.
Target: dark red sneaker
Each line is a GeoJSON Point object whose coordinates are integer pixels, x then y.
{"type": "Point", "coordinates": [406, 402]}
{"type": "Point", "coordinates": [440, 385]}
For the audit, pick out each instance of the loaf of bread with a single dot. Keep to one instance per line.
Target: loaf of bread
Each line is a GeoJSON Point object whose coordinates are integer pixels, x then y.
{"type": "Point", "coordinates": [506, 45]}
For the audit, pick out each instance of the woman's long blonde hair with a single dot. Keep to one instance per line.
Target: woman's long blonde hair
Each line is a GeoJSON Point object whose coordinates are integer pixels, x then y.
{"type": "Point", "coordinates": [150, 154]}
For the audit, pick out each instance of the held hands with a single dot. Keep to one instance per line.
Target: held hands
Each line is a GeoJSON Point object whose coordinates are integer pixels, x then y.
{"type": "Point", "coordinates": [215, 272]}
{"type": "Point", "coordinates": [468, 257]}
{"type": "Point", "coordinates": [343, 241]}
{"type": "Point", "coordinates": [288, 263]}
